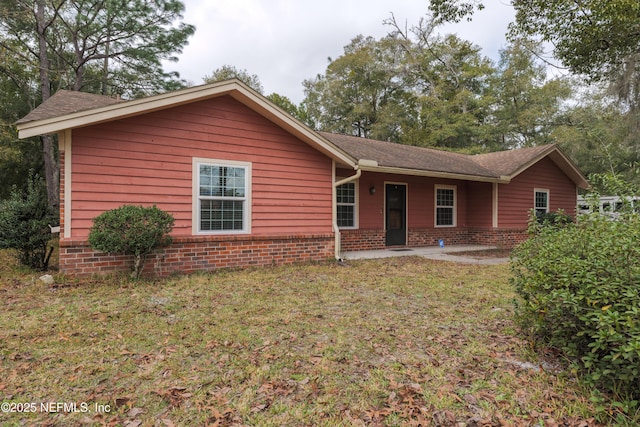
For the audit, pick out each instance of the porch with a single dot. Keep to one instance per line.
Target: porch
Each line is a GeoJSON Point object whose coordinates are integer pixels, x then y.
{"type": "Point", "coordinates": [455, 253]}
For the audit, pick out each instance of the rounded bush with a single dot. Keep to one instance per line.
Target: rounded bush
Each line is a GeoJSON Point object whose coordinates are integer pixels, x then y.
{"type": "Point", "coordinates": [580, 289]}
{"type": "Point", "coordinates": [131, 230]}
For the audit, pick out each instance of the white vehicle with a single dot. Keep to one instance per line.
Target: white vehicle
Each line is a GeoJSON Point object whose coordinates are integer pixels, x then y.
{"type": "Point", "coordinates": [608, 205]}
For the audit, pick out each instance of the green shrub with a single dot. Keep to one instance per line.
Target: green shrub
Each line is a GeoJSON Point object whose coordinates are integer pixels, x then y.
{"type": "Point", "coordinates": [580, 289]}
{"type": "Point", "coordinates": [559, 218]}
{"type": "Point", "coordinates": [131, 230]}
{"type": "Point", "coordinates": [24, 224]}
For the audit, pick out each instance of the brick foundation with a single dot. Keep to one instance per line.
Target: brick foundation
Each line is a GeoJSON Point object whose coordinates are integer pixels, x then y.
{"type": "Point", "coordinates": [362, 240]}
{"type": "Point", "coordinates": [431, 236]}
{"type": "Point", "coordinates": [206, 253]}
{"type": "Point", "coordinates": [506, 238]}
{"type": "Point", "coordinates": [202, 253]}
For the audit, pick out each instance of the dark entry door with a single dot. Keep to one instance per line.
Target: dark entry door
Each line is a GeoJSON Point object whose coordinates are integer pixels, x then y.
{"type": "Point", "coordinates": [396, 214]}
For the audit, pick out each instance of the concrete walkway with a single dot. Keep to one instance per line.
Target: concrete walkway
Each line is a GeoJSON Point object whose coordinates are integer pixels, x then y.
{"type": "Point", "coordinates": [432, 252]}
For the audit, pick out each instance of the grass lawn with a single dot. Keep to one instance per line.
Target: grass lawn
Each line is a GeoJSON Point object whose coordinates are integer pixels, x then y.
{"type": "Point", "coordinates": [402, 341]}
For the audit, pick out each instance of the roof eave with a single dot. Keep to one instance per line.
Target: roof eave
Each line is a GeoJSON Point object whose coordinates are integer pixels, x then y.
{"type": "Point", "coordinates": [234, 88]}
{"type": "Point", "coordinates": [122, 110]}
{"type": "Point", "coordinates": [561, 160]}
{"type": "Point", "coordinates": [435, 174]}
{"type": "Point", "coordinates": [275, 114]}
{"type": "Point", "coordinates": [572, 171]}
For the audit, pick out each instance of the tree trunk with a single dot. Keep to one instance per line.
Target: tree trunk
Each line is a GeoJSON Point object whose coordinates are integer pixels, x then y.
{"type": "Point", "coordinates": [51, 169]}
{"type": "Point", "coordinates": [41, 28]}
{"type": "Point", "coordinates": [138, 266]}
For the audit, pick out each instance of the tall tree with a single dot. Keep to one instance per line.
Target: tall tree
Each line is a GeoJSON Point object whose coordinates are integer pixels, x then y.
{"type": "Point", "coordinates": [18, 159]}
{"type": "Point", "coordinates": [625, 84]}
{"type": "Point", "coordinates": [599, 134]}
{"type": "Point", "coordinates": [453, 94]}
{"type": "Point", "coordinates": [454, 10]}
{"type": "Point", "coordinates": [103, 46]}
{"type": "Point", "coordinates": [451, 82]}
{"type": "Point", "coordinates": [361, 93]}
{"type": "Point", "coordinates": [591, 37]}
{"type": "Point", "coordinates": [409, 87]}
{"type": "Point", "coordinates": [528, 103]}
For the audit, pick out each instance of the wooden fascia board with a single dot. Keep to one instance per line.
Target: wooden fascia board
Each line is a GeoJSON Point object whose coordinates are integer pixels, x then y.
{"type": "Point", "coordinates": [123, 110]}
{"type": "Point", "coordinates": [292, 125]}
{"type": "Point", "coordinates": [234, 88]}
{"type": "Point", "coordinates": [562, 161]}
{"type": "Point", "coordinates": [572, 171]}
{"type": "Point", "coordinates": [530, 163]}
{"type": "Point", "coordinates": [434, 174]}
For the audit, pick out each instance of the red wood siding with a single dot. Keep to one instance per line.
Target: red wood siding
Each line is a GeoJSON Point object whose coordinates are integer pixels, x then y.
{"type": "Point", "coordinates": [420, 199]}
{"type": "Point", "coordinates": [480, 204]}
{"type": "Point", "coordinates": [148, 160]}
{"type": "Point", "coordinates": [515, 200]}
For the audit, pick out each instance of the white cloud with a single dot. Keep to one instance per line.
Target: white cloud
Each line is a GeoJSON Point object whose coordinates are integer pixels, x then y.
{"type": "Point", "coordinates": [285, 42]}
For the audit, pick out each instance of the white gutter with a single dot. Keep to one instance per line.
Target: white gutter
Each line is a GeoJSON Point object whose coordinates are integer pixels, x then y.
{"type": "Point", "coordinates": [336, 229]}
{"type": "Point", "coordinates": [432, 174]}
{"type": "Point", "coordinates": [349, 179]}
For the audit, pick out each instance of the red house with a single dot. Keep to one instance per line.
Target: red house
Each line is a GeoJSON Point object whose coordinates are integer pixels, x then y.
{"type": "Point", "coordinates": [248, 184]}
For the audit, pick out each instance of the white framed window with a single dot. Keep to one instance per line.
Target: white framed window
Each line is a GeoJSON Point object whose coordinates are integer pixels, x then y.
{"type": "Point", "coordinates": [221, 196]}
{"type": "Point", "coordinates": [541, 201]}
{"type": "Point", "coordinates": [445, 205]}
{"type": "Point", "coordinates": [346, 205]}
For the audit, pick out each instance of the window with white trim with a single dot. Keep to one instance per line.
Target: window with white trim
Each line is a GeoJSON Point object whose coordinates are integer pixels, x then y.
{"type": "Point", "coordinates": [445, 206]}
{"type": "Point", "coordinates": [346, 205]}
{"type": "Point", "coordinates": [541, 201]}
{"type": "Point", "coordinates": [221, 196]}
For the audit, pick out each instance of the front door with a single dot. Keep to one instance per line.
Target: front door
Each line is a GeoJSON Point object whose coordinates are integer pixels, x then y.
{"type": "Point", "coordinates": [396, 214]}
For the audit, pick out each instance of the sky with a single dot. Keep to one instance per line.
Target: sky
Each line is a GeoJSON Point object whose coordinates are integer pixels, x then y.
{"type": "Point", "coordinates": [285, 42]}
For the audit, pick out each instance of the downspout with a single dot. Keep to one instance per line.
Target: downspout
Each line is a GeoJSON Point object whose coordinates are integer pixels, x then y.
{"type": "Point", "coordinates": [336, 229]}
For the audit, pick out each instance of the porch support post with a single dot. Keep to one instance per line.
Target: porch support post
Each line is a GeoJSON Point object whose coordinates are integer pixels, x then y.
{"type": "Point", "coordinates": [494, 205]}
{"type": "Point", "coordinates": [64, 147]}
{"type": "Point", "coordinates": [334, 205]}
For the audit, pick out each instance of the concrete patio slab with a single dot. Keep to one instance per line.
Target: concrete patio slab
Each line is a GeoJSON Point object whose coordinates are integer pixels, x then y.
{"type": "Point", "coordinates": [448, 253]}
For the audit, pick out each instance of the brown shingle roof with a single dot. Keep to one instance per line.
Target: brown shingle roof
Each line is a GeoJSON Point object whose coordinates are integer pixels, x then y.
{"type": "Point", "coordinates": [512, 161]}
{"type": "Point", "coordinates": [498, 166]}
{"type": "Point", "coordinates": [393, 155]}
{"type": "Point", "coordinates": [66, 102]}
{"type": "Point", "coordinates": [398, 158]}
